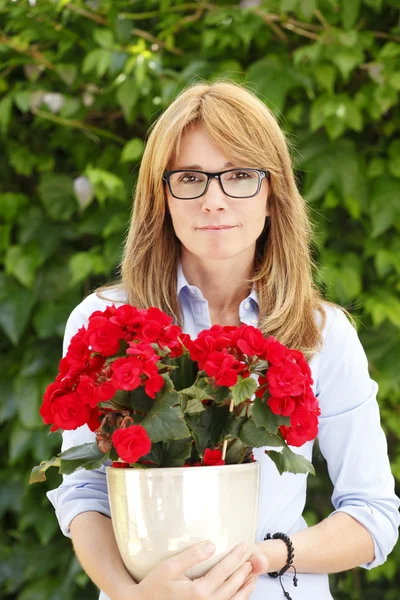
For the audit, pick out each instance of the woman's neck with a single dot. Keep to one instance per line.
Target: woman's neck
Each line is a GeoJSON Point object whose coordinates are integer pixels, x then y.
{"type": "Point", "coordinates": [223, 283]}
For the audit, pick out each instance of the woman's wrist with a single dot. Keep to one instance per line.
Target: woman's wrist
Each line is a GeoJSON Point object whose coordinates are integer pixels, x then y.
{"type": "Point", "coordinates": [276, 553]}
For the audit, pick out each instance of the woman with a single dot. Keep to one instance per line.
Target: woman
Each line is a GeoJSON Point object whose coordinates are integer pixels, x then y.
{"type": "Point", "coordinates": [220, 234]}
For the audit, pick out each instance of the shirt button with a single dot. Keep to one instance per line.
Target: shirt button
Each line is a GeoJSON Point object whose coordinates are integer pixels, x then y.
{"type": "Point", "coordinates": [254, 321]}
{"type": "Point", "coordinates": [247, 305]}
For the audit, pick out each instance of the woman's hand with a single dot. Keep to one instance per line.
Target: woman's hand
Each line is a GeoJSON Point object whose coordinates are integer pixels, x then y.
{"type": "Point", "coordinates": [224, 581]}
{"type": "Point", "coordinates": [259, 563]}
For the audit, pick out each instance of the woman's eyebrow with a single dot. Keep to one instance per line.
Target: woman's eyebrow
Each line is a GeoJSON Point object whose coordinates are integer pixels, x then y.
{"type": "Point", "coordinates": [198, 167]}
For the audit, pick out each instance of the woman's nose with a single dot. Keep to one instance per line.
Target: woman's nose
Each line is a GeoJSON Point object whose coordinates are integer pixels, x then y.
{"type": "Point", "coordinates": [214, 199]}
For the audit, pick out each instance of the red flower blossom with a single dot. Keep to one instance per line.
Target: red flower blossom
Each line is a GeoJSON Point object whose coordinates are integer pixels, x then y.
{"type": "Point", "coordinates": [69, 412]}
{"type": "Point", "coordinates": [287, 380]}
{"type": "Point", "coordinates": [154, 385]}
{"type": "Point", "coordinates": [104, 336]}
{"type": "Point", "coordinates": [303, 427]}
{"type": "Point", "coordinates": [282, 406]}
{"type": "Point", "coordinates": [275, 352]}
{"type": "Point", "coordinates": [131, 443]}
{"type": "Point", "coordinates": [223, 367]}
{"type": "Point", "coordinates": [212, 457]}
{"type": "Point", "coordinates": [78, 349]}
{"type": "Point", "coordinates": [126, 373]}
{"type": "Point", "coordinates": [250, 341]}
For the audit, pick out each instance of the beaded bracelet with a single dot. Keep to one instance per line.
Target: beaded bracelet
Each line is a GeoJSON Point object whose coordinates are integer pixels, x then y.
{"type": "Point", "coordinates": [289, 564]}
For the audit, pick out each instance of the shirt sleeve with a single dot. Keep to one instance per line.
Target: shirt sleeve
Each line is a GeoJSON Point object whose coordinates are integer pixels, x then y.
{"type": "Point", "coordinates": [83, 490]}
{"type": "Point", "coordinates": [351, 437]}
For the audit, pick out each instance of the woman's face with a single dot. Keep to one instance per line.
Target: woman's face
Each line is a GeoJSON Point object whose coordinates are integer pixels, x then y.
{"type": "Point", "coordinates": [193, 220]}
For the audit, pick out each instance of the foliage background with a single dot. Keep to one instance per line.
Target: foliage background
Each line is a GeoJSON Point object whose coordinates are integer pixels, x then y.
{"type": "Point", "coordinates": [80, 83]}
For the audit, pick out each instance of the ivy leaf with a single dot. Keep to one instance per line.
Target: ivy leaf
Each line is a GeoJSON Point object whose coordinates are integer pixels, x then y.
{"type": "Point", "coordinates": [127, 96]}
{"type": "Point", "coordinates": [132, 151]}
{"type": "Point", "coordinates": [22, 262]}
{"type": "Point", "coordinates": [16, 305]}
{"type": "Point", "coordinates": [288, 461]}
{"type": "Point", "coordinates": [57, 196]}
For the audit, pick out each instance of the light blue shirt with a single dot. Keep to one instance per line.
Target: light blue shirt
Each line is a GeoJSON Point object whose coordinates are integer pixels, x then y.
{"type": "Point", "coordinates": [350, 438]}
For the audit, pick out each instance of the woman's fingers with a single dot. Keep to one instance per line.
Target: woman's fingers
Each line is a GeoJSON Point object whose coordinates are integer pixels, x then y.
{"type": "Point", "coordinates": [223, 570]}
{"type": "Point", "coordinates": [233, 584]}
{"type": "Point", "coordinates": [246, 590]}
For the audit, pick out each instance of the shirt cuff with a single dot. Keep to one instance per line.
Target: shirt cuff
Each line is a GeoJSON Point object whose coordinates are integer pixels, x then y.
{"type": "Point", "coordinates": [378, 526]}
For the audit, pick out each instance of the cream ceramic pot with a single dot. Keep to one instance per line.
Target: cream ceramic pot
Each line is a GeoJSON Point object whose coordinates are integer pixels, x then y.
{"type": "Point", "coordinates": [157, 513]}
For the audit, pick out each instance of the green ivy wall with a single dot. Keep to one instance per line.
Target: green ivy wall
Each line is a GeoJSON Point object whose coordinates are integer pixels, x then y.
{"type": "Point", "coordinates": [80, 83]}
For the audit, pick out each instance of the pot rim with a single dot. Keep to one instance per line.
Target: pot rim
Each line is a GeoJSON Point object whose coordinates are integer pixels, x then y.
{"type": "Point", "coordinates": [206, 469]}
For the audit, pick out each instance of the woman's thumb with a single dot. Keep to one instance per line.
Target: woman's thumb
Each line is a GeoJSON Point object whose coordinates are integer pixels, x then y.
{"type": "Point", "coordinates": [190, 557]}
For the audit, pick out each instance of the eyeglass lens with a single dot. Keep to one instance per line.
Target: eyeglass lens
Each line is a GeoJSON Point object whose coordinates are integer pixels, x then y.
{"type": "Point", "coordinates": [239, 183]}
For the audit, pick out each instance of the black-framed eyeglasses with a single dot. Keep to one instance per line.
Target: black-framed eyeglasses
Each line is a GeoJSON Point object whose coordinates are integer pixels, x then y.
{"type": "Point", "coordinates": [236, 183]}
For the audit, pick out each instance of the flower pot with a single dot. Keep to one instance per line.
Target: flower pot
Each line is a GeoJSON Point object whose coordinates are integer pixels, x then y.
{"type": "Point", "coordinates": [157, 513]}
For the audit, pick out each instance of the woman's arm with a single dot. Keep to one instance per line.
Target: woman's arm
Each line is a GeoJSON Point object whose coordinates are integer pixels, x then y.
{"type": "Point", "coordinates": [95, 546]}
{"type": "Point", "coordinates": [337, 543]}
{"type": "Point", "coordinates": [363, 528]}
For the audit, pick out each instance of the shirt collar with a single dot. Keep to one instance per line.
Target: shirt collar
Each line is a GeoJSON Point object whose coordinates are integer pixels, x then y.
{"type": "Point", "coordinates": [182, 283]}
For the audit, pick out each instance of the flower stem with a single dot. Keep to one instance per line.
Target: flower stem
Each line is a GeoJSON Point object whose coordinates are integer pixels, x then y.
{"type": "Point", "coordinates": [226, 441]}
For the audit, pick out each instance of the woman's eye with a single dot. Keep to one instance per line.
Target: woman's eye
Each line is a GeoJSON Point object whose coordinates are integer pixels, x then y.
{"type": "Point", "coordinates": [188, 178]}
{"type": "Point", "coordinates": [240, 175]}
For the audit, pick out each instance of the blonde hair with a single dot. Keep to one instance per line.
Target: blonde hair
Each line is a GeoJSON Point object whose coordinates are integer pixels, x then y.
{"type": "Point", "coordinates": [246, 132]}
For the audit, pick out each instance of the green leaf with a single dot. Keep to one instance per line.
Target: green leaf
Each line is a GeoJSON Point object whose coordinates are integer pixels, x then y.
{"type": "Point", "coordinates": [11, 205]}
{"type": "Point", "coordinates": [165, 419]}
{"type": "Point", "coordinates": [88, 456]}
{"type": "Point", "coordinates": [191, 399]}
{"type": "Point", "coordinates": [127, 96]}
{"type": "Point", "coordinates": [394, 158]}
{"type": "Point", "coordinates": [235, 452]}
{"type": "Point", "coordinates": [20, 440]}
{"type": "Point", "coordinates": [389, 50]}
{"type": "Point", "coordinates": [27, 394]}
{"type": "Point", "coordinates": [132, 151]}
{"type": "Point", "coordinates": [347, 59]}
{"type": "Point", "coordinates": [50, 319]}
{"type": "Point", "coordinates": [258, 436]}
{"type": "Point", "coordinates": [325, 75]}
{"type": "Point", "coordinates": [57, 196]}
{"type": "Point", "coordinates": [22, 100]}
{"type": "Point", "coordinates": [349, 12]}
{"type": "Point", "coordinates": [68, 72]}
{"type": "Point", "coordinates": [264, 417]}
{"type": "Point", "coordinates": [104, 37]}
{"type": "Point", "coordinates": [98, 60]}
{"type": "Point", "coordinates": [22, 160]}
{"type": "Point", "coordinates": [384, 204]}
{"type": "Point", "coordinates": [5, 113]}
{"type": "Point", "coordinates": [16, 304]}
{"type": "Point", "coordinates": [307, 8]}
{"type": "Point", "coordinates": [288, 461]}
{"type": "Point", "coordinates": [209, 427]}
{"type": "Point", "coordinates": [219, 394]}
{"type": "Point", "coordinates": [38, 472]}
{"type": "Point", "coordinates": [244, 389]}
{"type": "Point", "coordinates": [106, 185]}
{"type": "Point", "coordinates": [22, 262]}
{"type": "Point", "coordinates": [170, 454]}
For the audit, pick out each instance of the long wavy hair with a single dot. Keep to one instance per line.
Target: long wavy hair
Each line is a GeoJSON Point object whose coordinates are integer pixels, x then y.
{"type": "Point", "coordinates": [247, 132]}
